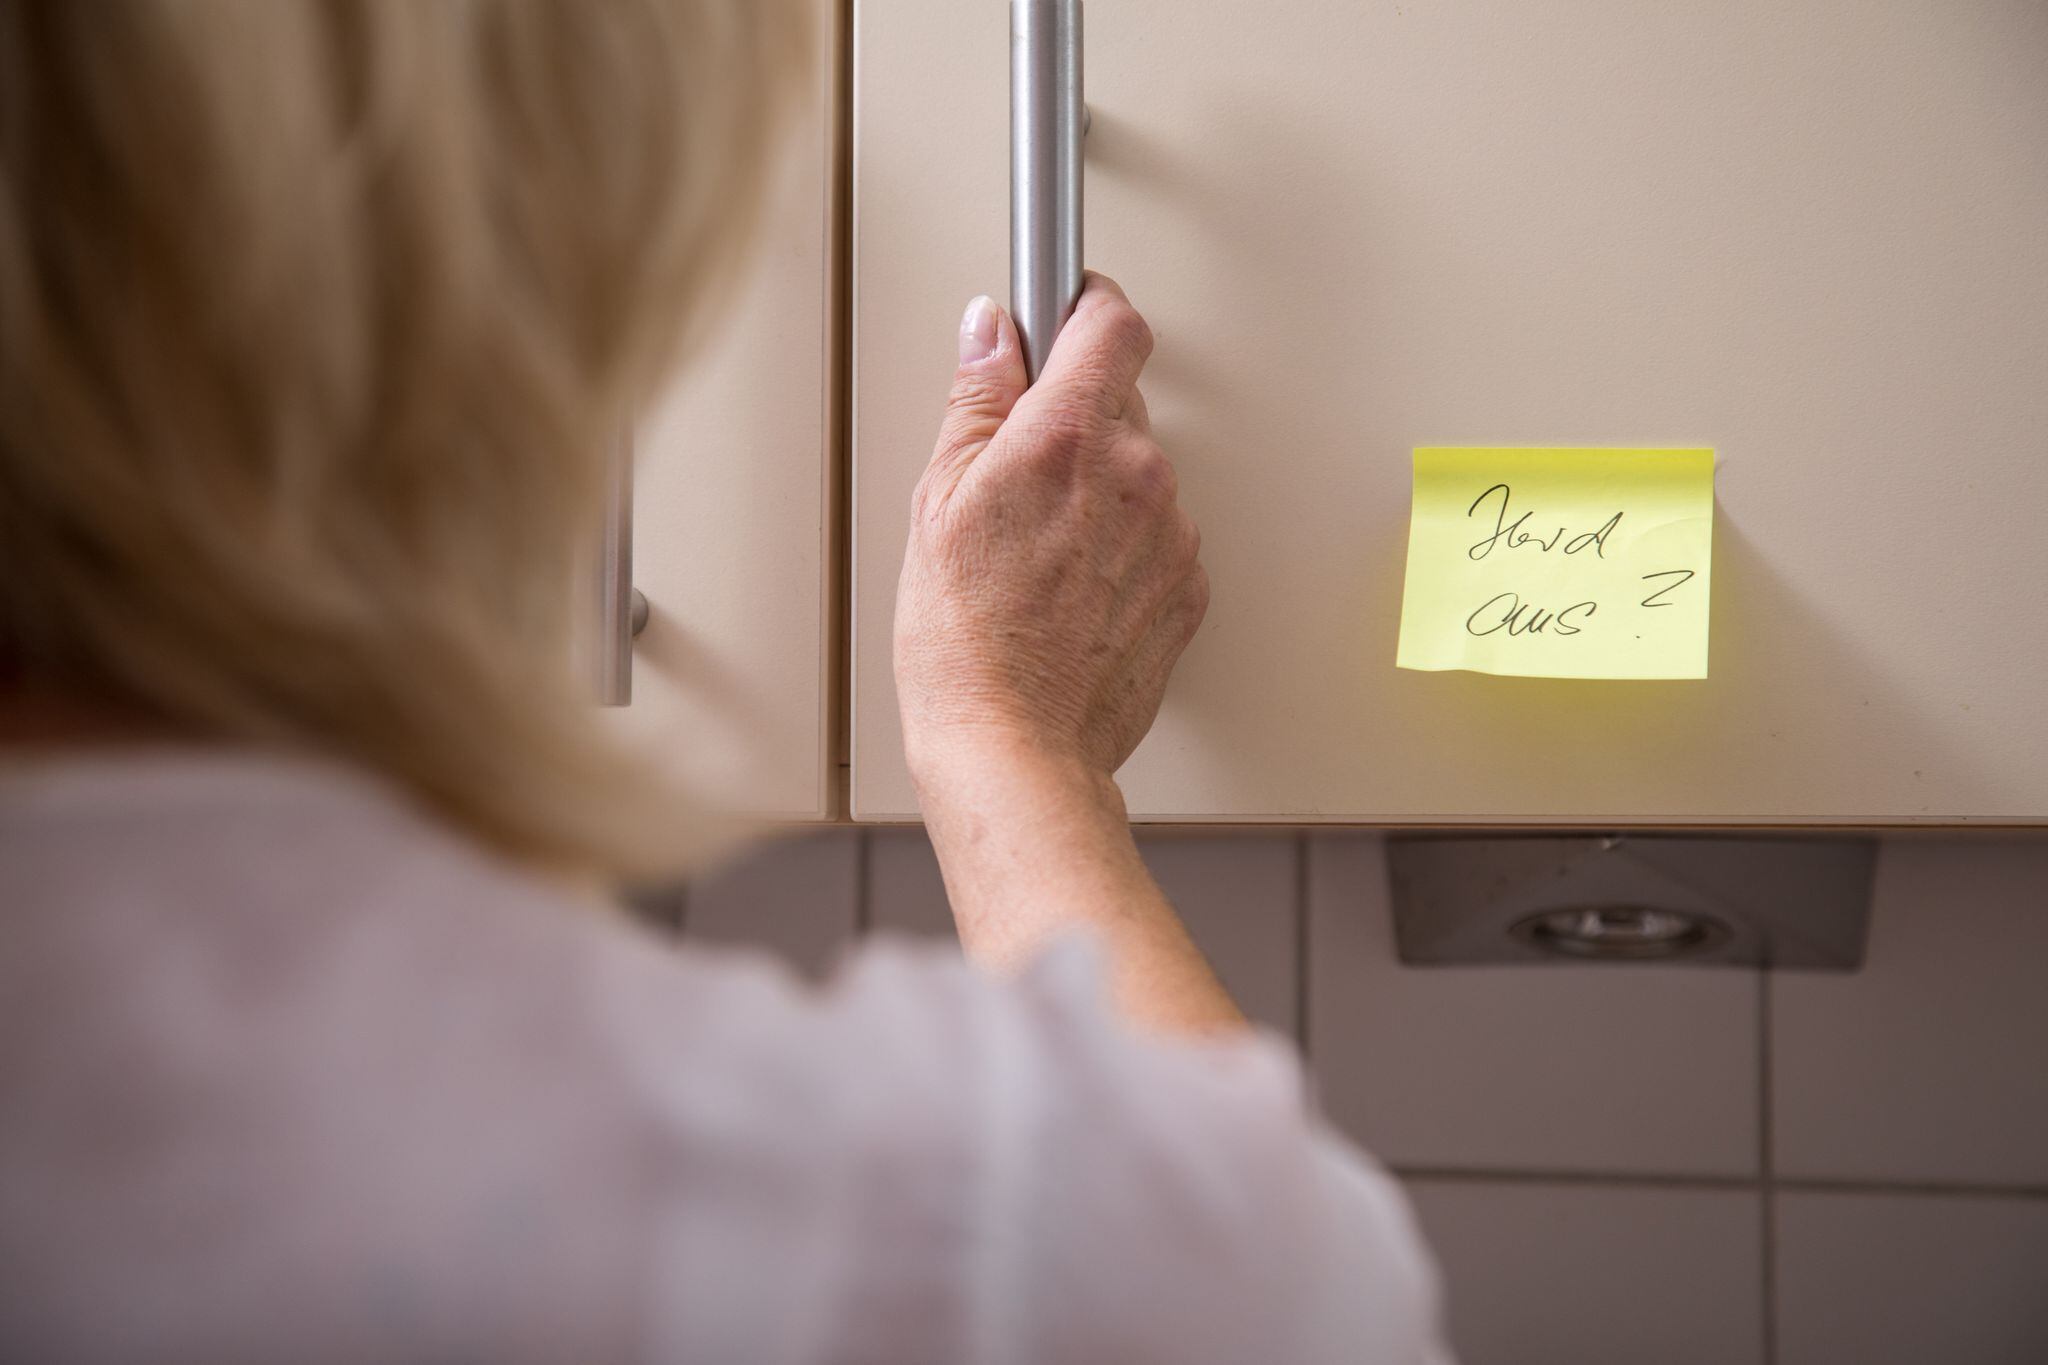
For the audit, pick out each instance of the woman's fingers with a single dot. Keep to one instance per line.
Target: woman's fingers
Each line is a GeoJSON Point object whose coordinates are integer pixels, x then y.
{"type": "Point", "coordinates": [1100, 353]}
{"type": "Point", "coordinates": [986, 387]}
{"type": "Point", "coordinates": [1137, 416]}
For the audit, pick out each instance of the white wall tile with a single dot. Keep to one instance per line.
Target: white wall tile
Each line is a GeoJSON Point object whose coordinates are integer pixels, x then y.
{"type": "Point", "coordinates": [1928, 1064]}
{"type": "Point", "coordinates": [905, 892]}
{"type": "Point", "coordinates": [1629, 1069]}
{"type": "Point", "coordinates": [1867, 1279]}
{"type": "Point", "coordinates": [1585, 1274]}
{"type": "Point", "coordinates": [1237, 895]}
{"type": "Point", "coordinates": [794, 896]}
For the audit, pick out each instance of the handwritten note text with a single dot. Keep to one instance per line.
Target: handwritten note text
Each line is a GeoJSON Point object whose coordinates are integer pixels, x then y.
{"type": "Point", "coordinates": [1559, 563]}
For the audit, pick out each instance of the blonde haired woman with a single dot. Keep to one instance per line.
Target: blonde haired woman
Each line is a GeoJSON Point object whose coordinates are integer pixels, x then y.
{"type": "Point", "coordinates": [314, 320]}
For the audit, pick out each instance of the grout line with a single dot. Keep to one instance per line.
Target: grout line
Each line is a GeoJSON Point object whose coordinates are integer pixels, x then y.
{"type": "Point", "coordinates": [863, 907]}
{"type": "Point", "coordinates": [1766, 1172]}
{"type": "Point", "coordinates": [1302, 946]}
{"type": "Point", "coordinates": [1657, 1181]}
{"type": "Point", "coordinates": [1664, 1180]}
{"type": "Point", "coordinates": [1913, 1189]}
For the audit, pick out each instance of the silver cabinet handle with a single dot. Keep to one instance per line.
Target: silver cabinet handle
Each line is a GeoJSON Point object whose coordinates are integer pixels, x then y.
{"type": "Point", "coordinates": [621, 610]}
{"type": "Point", "coordinates": [1048, 120]}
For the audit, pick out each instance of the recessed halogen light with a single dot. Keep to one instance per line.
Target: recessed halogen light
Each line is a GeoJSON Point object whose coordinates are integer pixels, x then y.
{"type": "Point", "coordinates": [1631, 932]}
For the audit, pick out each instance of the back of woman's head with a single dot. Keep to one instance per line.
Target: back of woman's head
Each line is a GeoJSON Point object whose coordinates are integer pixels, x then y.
{"type": "Point", "coordinates": [317, 318]}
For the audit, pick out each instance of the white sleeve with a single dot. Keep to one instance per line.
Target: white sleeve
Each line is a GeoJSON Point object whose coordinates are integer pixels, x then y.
{"type": "Point", "coordinates": [1150, 1200]}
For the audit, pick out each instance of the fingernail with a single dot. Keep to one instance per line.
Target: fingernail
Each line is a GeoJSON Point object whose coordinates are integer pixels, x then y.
{"type": "Point", "coordinates": [978, 331]}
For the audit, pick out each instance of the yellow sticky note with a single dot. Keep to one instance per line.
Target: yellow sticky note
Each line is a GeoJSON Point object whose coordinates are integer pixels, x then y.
{"type": "Point", "coordinates": [1559, 563]}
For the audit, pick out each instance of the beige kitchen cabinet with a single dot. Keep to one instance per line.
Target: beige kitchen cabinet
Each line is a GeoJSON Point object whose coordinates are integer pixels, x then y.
{"type": "Point", "coordinates": [1813, 237]}
{"type": "Point", "coordinates": [736, 526]}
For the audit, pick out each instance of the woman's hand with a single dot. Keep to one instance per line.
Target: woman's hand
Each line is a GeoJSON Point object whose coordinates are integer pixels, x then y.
{"type": "Point", "coordinates": [1050, 585]}
{"type": "Point", "coordinates": [1051, 581]}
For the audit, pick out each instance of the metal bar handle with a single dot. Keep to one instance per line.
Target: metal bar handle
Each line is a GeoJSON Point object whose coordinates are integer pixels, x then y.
{"type": "Point", "coordinates": [621, 610]}
{"type": "Point", "coordinates": [1048, 120]}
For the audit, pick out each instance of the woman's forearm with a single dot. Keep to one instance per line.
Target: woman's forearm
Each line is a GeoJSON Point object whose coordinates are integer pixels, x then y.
{"type": "Point", "coordinates": [1032, 847]}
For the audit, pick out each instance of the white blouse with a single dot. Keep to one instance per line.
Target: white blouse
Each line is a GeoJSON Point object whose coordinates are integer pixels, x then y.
{"type": "Point", "coordinates": [292, 1073]}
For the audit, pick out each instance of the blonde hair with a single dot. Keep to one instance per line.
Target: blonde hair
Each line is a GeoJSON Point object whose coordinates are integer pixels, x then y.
{"type": "Point", "coordinates": [317, 321]}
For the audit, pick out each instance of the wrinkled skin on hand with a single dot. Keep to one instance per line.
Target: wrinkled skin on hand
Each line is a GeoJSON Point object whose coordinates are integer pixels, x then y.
{"type": "Point", "coordinates": [1052, 579]}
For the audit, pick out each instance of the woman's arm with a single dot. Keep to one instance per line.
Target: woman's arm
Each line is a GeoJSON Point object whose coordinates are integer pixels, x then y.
{"type": "Point", "coordinates": [1050, 585]}
{"type": "Point", "coordinates": [1031, 847]}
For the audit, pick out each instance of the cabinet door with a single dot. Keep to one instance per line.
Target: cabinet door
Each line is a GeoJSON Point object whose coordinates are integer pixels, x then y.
{"type": "Point", "coordinates": [735, 538]}
{"type": "Point", "coordinates": [1809, 236]}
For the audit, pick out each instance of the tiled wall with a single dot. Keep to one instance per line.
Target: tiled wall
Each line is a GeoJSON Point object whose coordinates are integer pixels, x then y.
{"type": "Point", "coordinates": [1650, 1165]}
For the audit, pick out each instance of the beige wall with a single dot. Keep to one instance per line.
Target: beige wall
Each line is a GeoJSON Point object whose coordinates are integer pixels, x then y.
{"type": "Point", "coordinates": [1635, 1164]}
